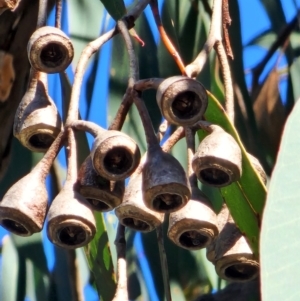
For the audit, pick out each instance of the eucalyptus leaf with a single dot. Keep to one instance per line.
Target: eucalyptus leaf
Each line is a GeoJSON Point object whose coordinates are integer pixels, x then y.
{"type": "Point", "coordinates": [281, 222]}
{"type": "Point", "coordinates": [100, 261]}
{"type": "Point", "coordinates": [116, 8]}
{"type": "Point", "coordinates": [31, 251]}
{"type": "Point", "coordinates": [9, 270]}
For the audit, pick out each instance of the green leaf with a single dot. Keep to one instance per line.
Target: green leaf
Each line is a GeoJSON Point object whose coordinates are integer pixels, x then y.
{"type": "Point", "coordinates": [264, 39]}
{"type": "Point", "coordinates": [31, 252]}
{"type": "Point", "coordinates": [9, 271]}
{"type": "Point", "coordinates": [100, 261]}
{"type": "Point", "coordinates": [116, 8]}
{"type": "Point", "coordinates": [281, 222]}
{"type": "Point", "coordinates": [245, 198]}
{"type": "Point", "coordinates": [60, 286]}
{"type": "Point", "coordinates": [176, 292]}
{"type": "Point", "coordinates": [84, 23]}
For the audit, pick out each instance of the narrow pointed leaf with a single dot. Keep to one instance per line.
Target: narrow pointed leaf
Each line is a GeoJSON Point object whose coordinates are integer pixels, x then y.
{"type": "Point", "coordinates": [281, 222]}
{"type": "Point", "coordinates": [9, 270]}
{"type": "Point", "coordinates": [116, 8]}
{"type": "Point", "coordinates": [100, 261]}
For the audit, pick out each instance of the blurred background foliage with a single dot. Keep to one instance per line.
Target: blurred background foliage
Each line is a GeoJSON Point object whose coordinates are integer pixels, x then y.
{"type": "Point", "coordinates": [265, 40]}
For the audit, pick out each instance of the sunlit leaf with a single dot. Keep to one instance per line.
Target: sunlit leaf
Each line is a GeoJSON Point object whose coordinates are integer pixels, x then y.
{"type": "Point", "coordinates": [9, 270]}
{"type": "Point", "coordinates": [281, 226]}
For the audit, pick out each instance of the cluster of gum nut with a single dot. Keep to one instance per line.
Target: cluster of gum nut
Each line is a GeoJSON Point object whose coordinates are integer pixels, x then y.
{"type": "Point", "coordinates": [158, 184]}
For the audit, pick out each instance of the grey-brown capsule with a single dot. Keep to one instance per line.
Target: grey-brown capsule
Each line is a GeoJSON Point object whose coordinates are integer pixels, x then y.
{"type": "Point", "coordinates": [218, 160]}
{"type": "Point", "coordinates": [102, 194]}
{"type": "Point", "coordinates": [258, 167]}
{"type": "Point", "coordinates": [231, 254]}
{"type": "Point", "coordinates": [50, 50]}
{"type": "Point", "coordinates": [37, 121]}
{"type": "Point", "coordinates": [182, 100]}
{"type": "Point", "coordinates": [133, 213]}
{"type": "Point", "coordinates": [115, 155]}
{"type": "Point", "coordinates": [165, 185]}
{"type": "Point", "coordinates": [71, 223]}
{"type": "Point", "coordinates": [234, 259]}
{"type": "Point", "coordinates": [24, 206]}
{"type": "Point", "coordinates": [193, 226]}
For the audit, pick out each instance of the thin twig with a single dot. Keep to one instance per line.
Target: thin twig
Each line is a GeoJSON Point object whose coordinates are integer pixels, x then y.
{"type": "Point", "coordinates": [204, 125]}
{"type": "Point", "coordinates": [190, 142]}
{"type": "Point", "coordinates": [226, 21]}
{"type": "Point", "coordinates": [173, 139]}
{"type": "Point", "coordinates": [148, 83]}
{"type": "Point", "coordinates": [143, 112]}
{"type": "Point", "coordinates": [72, 157]}
{"type": "Point", "coordinates": [58, 10]}
{"type": "Point", "coordinates": [164, 37]}
{"type": "Point", "coordinates": [42, 13]}
{"type": "Point", "coordinates": [88, 126]}
{"type": "Point", "coordinates": [120, 242]}
{"type": "Point", "coordinates": [49, 157]}
{"type": "Point", "coordinates": [88, 51]}
{"type": "Point", "coordinates": [122, 112]}
{"type": "Point", "coordinates": [226, 74]}
{"type": "Point", "coordinates": [194, 68]}
{"type": "Point", "coordinates": [163, 262]}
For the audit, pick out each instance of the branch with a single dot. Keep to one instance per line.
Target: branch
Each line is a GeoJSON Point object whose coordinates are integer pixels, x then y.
{"type": "Point", "coordinates": [143, 112]}
{"type": "Point", "coordinates": [122, 112]}
{"type": "Point", "coordinates": [164, 37]}
{"type": "Point", "coordinates": [148, 83]}
{"type": "Point", "coordinates": [89, 50]}
{"type": "Point", "coordinates": [190, 142]}
{"type": "Point", "coordinates": [42, 14]}
{"type": "Point", "coordinates": [58, 9]}
{"type": "Point", "coordinates": [226, 21]}
{"type": "Point", "coordinates": [194, 68]}
{"type": "Point", "coordinates": [229, 95]}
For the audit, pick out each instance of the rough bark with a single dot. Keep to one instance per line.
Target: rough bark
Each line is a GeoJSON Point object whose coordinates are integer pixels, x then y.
{"type": "Point", "coordinates": [15, 29]}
